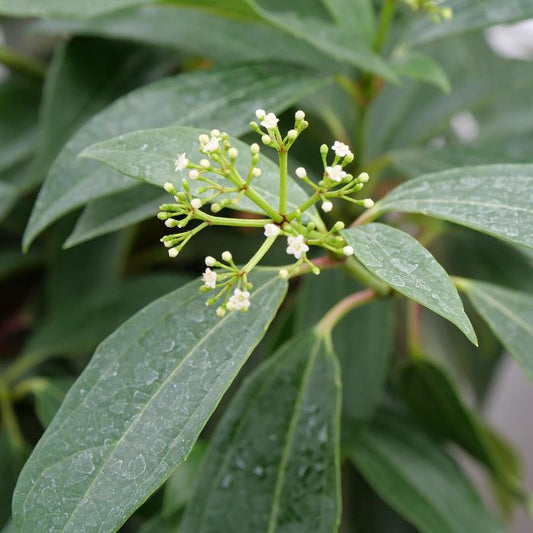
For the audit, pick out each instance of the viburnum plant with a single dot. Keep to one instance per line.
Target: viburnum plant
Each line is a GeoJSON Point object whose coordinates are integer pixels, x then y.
{"type": "Point", "coordinates": [331, 292]}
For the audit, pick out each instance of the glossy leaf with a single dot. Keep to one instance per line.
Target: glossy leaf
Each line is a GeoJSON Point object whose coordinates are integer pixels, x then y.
{"type": "Point", "coordinates": [80, 83]}
{"type": "Point", "coordinates": [494, 199]}
{"type": "Point", "coordinates": [401, 261]}
{"type": "Point", "coordinates": [273, 461]}
{"type": "Point", "coordinates": [362, 340]}
{"type": "Point", "coordinates": [431, 393]}
{"type": "Point", "coordinates": [149, 156]}
{"type": "Point", "coordinates": [83, 326]}
{"type": "Point", "coordinates": [116, 212]}
{"type": "Point", "coordinates": [468, 15]}
{"type": "Point", "coordinates": [419, 66]}
{"type": "Point", "coordinates": [225, 98]}
{"type": "Point", "coordinates": [509, 314]}
{"type": "Point", "coordinates": [138, 408]}
{"type": "Point", "coordinates": [409, 470]}
{"type": "Point", "coordinates": [49, 397]}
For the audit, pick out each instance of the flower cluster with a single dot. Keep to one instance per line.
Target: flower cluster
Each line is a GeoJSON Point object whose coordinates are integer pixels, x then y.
{"type": "Point", "coordinates": [432, 8]}
{"type": "Point", "coordinates": [221, 179]}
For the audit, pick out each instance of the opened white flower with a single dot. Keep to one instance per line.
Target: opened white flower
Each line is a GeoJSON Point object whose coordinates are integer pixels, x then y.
{"type": "Point", "coordinates": [270, 121]}
{"type": "Point", "coordinates": [335, 173]}
{"type": "Point", "coordinates": [239, 301]}
{"type": "Point", "coordinates": [341, 149]}
{"type": "Point", "coordinates": [296, 246]}
{"type": "Point", "coordinates": [209, 144]}
{"type": "Point", "coordinates": [209, 277]}
{"type": "Point", "coordinates": [181, 162]}
{"type": "Point", "coordinates": [271, 230]}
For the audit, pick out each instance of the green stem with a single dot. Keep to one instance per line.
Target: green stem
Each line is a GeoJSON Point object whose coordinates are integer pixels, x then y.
{"type": "Point", "coordinates": [283, 156]}
{"type": "Point", "coordinates": [9, 419]}
{"type": "Point", "coordinates": [305, 206]}
{"type": "Point", "coordinates": [24, 364]}
{"type": "Point", "coordinates": [238, 222]}
{"type": "Point", "coordinates": [269, 241]}
{"type": "Point", "coordinates": [360, 273]}
{"type": "Point", "coordinates": [342, 308]}
{"type": "Point", "coordinates": [385, 19]}
{"type": "Point", "coordinates": [17, 62]}
{"type": "Point", "coordinates": [368, 216]}
{"type": "Point", "coordinates": [28, 386]}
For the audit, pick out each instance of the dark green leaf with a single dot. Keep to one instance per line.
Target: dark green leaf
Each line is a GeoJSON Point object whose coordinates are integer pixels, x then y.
{"type": "Point", "coordinates": [273, 462]}
{"type": "Point", "coordinates": [401, 261]}
{"type": "Point", "coordinates": [87, 323]}
{"type": "Point", "coordinates": [468, 15]}
{"type": "Point", "coordinates": [149, 156]}
{"type": "Point", "coordinates": [494, 199]}
{"type": "Point", "coordinates": [362, 341]}
{"type": "Point", "coordinates": [509, 314]}
{"type": "Point", "coordinates": [115, 212]}
{"type": "Point", "coordinates": [225, 98]}
{"type": "Point", "coordinates": [419, 66]}
{"type": "Point", "coordinates": [49, 397]}
{"type": "Point", "coordinates": [8, 198]}
{"type": "Point", "coordinates": [138, 408]}
{"type": "Point", "coordinates": [411, 473]}
{"type": "Point", "coordinates": [356, 16]}
{"type": "Point", "coordinates": [432, 394]}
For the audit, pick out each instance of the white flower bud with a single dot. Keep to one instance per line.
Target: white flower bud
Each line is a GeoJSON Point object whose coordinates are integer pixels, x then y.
{"type": "Point", "coordinates": [368, 203]}
{"type": "Point", "coordinates": [227, 256]}
{"type": "Point", "coordinates": [254, 148]}
{"type": "Point", "coordinates": [299, 115]}
{"type": "Point", "coordinates": [301, 172]}
{"type": "Point", "coordinates": [233, 153]}
{"type": "Point", "coordinates": [196, 203]}
{"type": "Point", "coordinates": [271, 230]}
{"type": "Point", "coordinates": [339, 225]}
{"type": "Point", "coordinates": [347, 251]}
{"type": "Point", "coordinates": [327, 206]}
{"type": "Point", "coordinates": [170, 222]}
{"type": "Point", "coordinates": [173, 252]}
{"type": "Point", "coordinates": [256, 172]}
{"type": "Point", "coordinates": [363, 177]}
{"type": "Point", "coordinates": [266, 139]}
{"type": "Point", "coordinates": [205, 163]}
{"type": "Point", "coordinates": [215, 208]}
{"type": "Point", "coordinates": [210, 261]}
{"type": "Point", "coordinates": [204, 139]}
{"type": "Point", "coordinates": [292, 134]}
{"type": "Point", "coordinates": [221, 311]}
{"type": "Point", "coordinates": [168, 187]}
{"type": "Point", "coordinates": [193, 174]}
{"type": "Point", "coordinates": [215, 133]}
{"type": "Point", "coordinates": [284, 273]}
{"type": "Point", "coordinates": [260, 114]}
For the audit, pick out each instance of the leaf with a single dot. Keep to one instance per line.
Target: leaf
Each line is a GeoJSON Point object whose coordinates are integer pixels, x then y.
{"type": "Point", "coordinates": [357, 16]}
{"type": "Point", "coordinates": [493, 199]}
{"type": "Point", "coordinates": [401, 261]}
{"type": "Point", "coordinates": [228, 39]}
{"type": "Point", "coordinates": [273, 462]}
{"type": "Point", "coordinates": [62, 8]}
{"type": "Point", "coordinates": [8, 198]}
{"type": "Point", "coordinates": [149, 156]}
{"type": "Point", "coordinates": [79, 84]}
{"type": "Point", "coordinates": [138, 408]}
{"type": "Point", "coordinates": [224, 97]}
{"type": "Point", "coordinates": [419, 66]}
{"type": "Point", "coordinates": [86, 324]}
{"type": "Point", "coordinates": [509, 314]}
{"type": "Point", "coordinates": [362, 341]}
{"type": "Point", "coordinates": [116, 212]}
{"type": "Point", "coordinates": [49, 397]}
{"type": "Point", "coordinates": [12, 457]}
{"type": "Point", "coordinates": [468, 15]}
{"type": "Point", "coordinates": [431, 393]}
{"type": "Point", "coordinates": [413, 475]}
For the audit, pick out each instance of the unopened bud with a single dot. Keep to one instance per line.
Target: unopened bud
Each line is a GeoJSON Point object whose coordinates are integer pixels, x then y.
{"type": "Point", "coordinates": [204, 139]}
{"type": "Point", "coordinates": [301, 172]}
{"type": "Point", "coordinates": [196, 203]}
{"type": "Point", "coordinates": [347, 251]}
{"type": "Point", "coordinates": [256, 172]}
{"type": "Point", "coordinates": [299, 115]}
{"type": "Point", "coordinates": [284, 273]}
{"type": "Point", "coordinates": [368, 203]}
{"type": "Point", "coordinates": [292, 134]}
{"type": "Point", "coordinates": [193, 174]}
{"type": "Point", "coordinates": [266, 139]}
{"type": "Point", "coordinates": [210, 261]}
{"type": "Point", "coordinates": [254, 148]}
{"type": "Point", "coordinates": [168, 187]}
{"type": "Point", "coordinates": [227, 256]}
{"type": "Point", "coordinates": [233, 153]}
{"type": "Point", "coordinates": [363, 177]}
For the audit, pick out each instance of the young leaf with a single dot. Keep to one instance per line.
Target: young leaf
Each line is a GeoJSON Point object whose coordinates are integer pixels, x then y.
{"type": "Point", "coordinates": [413, 475]}
{"type": "Point", "coordinates": [509, 314]}
{"type": "Point", "coordinates": [431, 393]}
{"type": "Point", "coordinates": [401, 261]}
{"type": "Point", "coordinates": [149, 156]}
{"type": "Point", "coordinates": [494, 199]}
{"type": "Point", "coordinates": [362, 341]}
{"type": "Point", "coordinates": [222, 98]}
{"type": "Point", "coordinates": [273, 462]}
{"type": "Point", "coordinates": [138, 408]}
